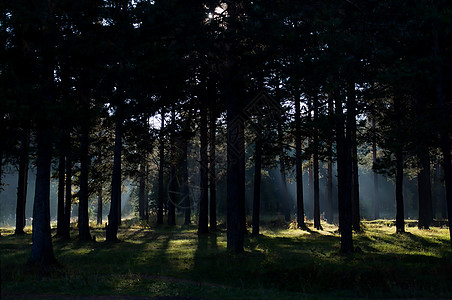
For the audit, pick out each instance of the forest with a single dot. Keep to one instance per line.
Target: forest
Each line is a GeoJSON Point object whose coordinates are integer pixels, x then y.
{"type": "Point", "coordinates": [155, 148]}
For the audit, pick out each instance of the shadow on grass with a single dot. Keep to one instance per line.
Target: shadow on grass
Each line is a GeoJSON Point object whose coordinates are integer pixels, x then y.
{"type": "Point", "coordinates": [286, 261]}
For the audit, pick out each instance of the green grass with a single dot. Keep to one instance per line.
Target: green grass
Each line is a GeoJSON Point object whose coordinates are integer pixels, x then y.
{"type": "Point", "coordinates": [280, 264]}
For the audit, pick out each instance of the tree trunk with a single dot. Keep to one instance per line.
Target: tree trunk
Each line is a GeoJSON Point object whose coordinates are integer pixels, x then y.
{"type": "Point", "coordinates": [344, 171]}
{"type": "Point", "coordinates": [83, 218]}
{"type": "Point", "coordinates": [172, 192]}
{"type": "Point", "coordinates": [400, 219]}
{"type": "Point", "coordinates": [3, 129]}
{"type": "Point", "coordinates": [203, 226]}
{"type": "Point", "coordinates": [42, 249]}
{"type": "Point", "coordinates": [235, 160]}
{"type": "Point", "coordinates": [23, 182]}
{"type": "Point", "coordinates": [1, 164]}
{"type": "Point", "coordinates": [161, 195]}
{"type": "Point", "coordinates": [425, 190]}
{"type": "Point", "coordinates": [113, 216]}
{"type": "Point", "coordinates": [257, 184]}
{"type": "Point", "coordinates": [99, 206]}
{"type": "Point", "coordinates": [340, 152]}
{"type": "Point", "coordinates": [317, 224]}
{"type": "Point", "coordinates": [400, 209]}
{"type": "Point", "coordinates": [299, 164]}
{"type": "Point", "coordinates": [310, 176]}
{"type": "Point", "coordinates": [146, 191]}
{"type": "Point", "coordinates": [212, 171]}
{"type": "Point", "coordinates": [440, 196]}
{"type": "Point", "coordinates": [351, 114]}
{"type": "Point", "coordinates": [444, 135]}
{"type": "Point", "coordinates": [329, 168]}
{"type": "Point", "coordinates": [285, 195]}
{"type": "Point", "coordinates": [235, 146]}
{"type": "Point", "coordinates": [186, 191]}
{"type": "Point", "coordinates": [142, 191]}
{"type": "Point", "coordinates": [61, 184]}
{"type": "Point", "coordinates": [235, 179]}
{"type": "Point", "coordinates": [68, 205]}
{"type": "Point", "coordinates": [375, 175]}
{"type": "Point", "coordinates": [355, 181]}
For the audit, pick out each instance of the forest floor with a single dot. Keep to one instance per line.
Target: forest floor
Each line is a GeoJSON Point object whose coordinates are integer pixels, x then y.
{"type": "Point", "coordinates": [175, 263]}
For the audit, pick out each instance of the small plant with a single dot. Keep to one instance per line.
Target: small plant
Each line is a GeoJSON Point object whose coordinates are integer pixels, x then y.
{"type": "Point", "coordinates": [293, 225]}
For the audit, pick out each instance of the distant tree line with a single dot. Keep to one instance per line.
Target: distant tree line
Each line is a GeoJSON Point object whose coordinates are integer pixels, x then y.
{"type": "Point", "coordinates": [103, 88]}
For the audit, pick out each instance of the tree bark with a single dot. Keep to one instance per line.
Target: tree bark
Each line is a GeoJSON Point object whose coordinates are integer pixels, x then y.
{"type": "Point", "coordinates": [400, 219]}
{"type": "Point", "coordinates": [375, 175]}
{"type": "Point", "coordinates": [444, 110]}
{"type": "Point", "coordinates": [439, 195]}
{"type": "Point", "coordinates": [329, 168]}
{"type": "Point", "coordinates": [23, 182]}
{"type": "Point", "coordinates": [310, 174]}
{"type": "Point", "coordinates": [235, 147]}
{"type": "Point", "coordinates": [235, 179]}
{"type": "Point", "coordinates": [172, 192]}
{"type": "Point", "coordinates": [299, 164]}
{"type": "Point", "coordinates": [3, 129]}
{"type": "Point", "coordinates": [42, 249]}
{"type": "Point", "coordinates": [203, 226]}
{"type": "Point", "coordinates": [161, 171]}
{"type": "Point", "coordinates": [113, 216]}
{"type": "Point", "coordinates": [99, 206]}
{"type": "Point", "coordinates": [425, 190]}
{"type": "Point", "coordinates": [61, 184]}
{"type": "Point", "coordinates": [351, 113]}
{"type": "Point", "coordinates": [257, 184]}
{"type": "Point", "coordinates": [212, 171]}
{"type": "Point", "coordinates": [185, 190]}
{"type": "Point", "coordinates": [317, 224]}
{"type": "Point", "coordinates": [68, 204]}
{"type": "Point", "coordinates": [285, 195]}
{"type": "Point", "coordinates": [344, 171]}
{"type": "Point", "coordinates": [83, 218]}
{"type": "Point", "coordinates": [146, 191]}
{"type": "Point", "coordinates": [142, 191]}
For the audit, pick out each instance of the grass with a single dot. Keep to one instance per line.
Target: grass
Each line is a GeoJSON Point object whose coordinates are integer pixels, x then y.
{"type": "Point", "coordinates": [280, 264]}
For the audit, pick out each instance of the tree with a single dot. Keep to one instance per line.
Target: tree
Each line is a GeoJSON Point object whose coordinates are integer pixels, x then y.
{"type": "Point", "coordinates": [299, 163]}
{"type": "Point", "coordinates": [120, 34]}
{"type": "Point", "coordinates": [257, 183]}
{"type": "Point", "coordinates": [61, 185]}
{"type": "Point", "coordinates": [315, 159]}
{"type": "Point", "coordinates": [329, 172]}
{"type": "Point", "coordinates": [172, 176]}
{"type": "Point", "coordinates": [113, 217]}
{"type": "Point", "coordinates": [344, 179]}
{"type": "Point", "coordinates": [22, 182]}
{"type": "Point", "coordinates": [212, 168]}
{"type": "Point", "coordinates": [235, 136]}
{"type": "Point", "coordinates": [42, 249]}
{"type": "Point", "coordinates": [203, 165]}
{"type": "Point", "coordinates": [425, 207]}
{"type": "Point", "coordinates": [161, 192]}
